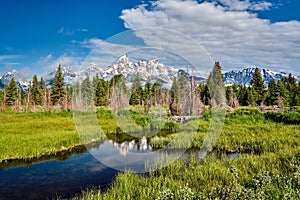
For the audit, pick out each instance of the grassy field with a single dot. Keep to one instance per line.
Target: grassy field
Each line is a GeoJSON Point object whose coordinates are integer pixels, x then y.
{"type": "Point", "coordinates": [31, 135]}
{"type": "Point", "coordinates": [269, 169]}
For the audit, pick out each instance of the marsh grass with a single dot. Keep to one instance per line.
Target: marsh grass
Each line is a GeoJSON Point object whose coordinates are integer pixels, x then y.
{"type": "Point", "coordinates": [30, 135]}
{"type": "Point", "coordinates": [269, 176]}
{"type": "Point", "coordinates": [269, 170]}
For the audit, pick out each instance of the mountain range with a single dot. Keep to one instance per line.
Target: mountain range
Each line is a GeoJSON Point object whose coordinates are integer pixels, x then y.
{"type": "Point", "coordinates": [151, 68]}
{"type": "Point", "coordinates": [245, 76]}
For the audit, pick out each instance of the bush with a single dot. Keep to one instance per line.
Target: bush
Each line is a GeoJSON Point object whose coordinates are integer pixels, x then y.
{"type": "Point", "coordinates": [291, 117]}
{"type": "Point", "coordinates": [171, 127]}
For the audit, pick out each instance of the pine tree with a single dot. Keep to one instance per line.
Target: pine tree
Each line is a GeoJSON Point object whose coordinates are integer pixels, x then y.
{"type": "Point", "coordinates": [58, 91]}
{"type": "Point", "coordinates": [175, 98]}
{"type": "Point", "coordinates": [36, 93]}
{"type": "Point", "coordinates": [175, 90]}
{"type": "Point", "coordinates": [242, 95]}
{"type": "Point", "coordinates": [1, 97]}
{"type": "Point", "coordinates": [272, 94]}
{"type": "Point", "coordinates": [216, 86]}
{"type": "Point", "coordinates": [42, 84]}
{"type": "Point", "coordinates": [11, 92]}
{"type": "Point", "coordinates": [87, 91]}
{"type": "Point", "coordinates": [136, 97]}
{"type": "Point", "coordinates": [204, 93]}
{"type": "Point", "coordinates": [258, 85]}
{"type": "Point", "coordinates": [291, 87]}
{"type": "Point", "coordinates": [156, 93]}
{"type": "Point", "coordinates": [282, 93]}
{"type": "Point", "coordinates": [95, 83]}
{"type": "Point", "coordinates": [252, 96]}
{"type": "Point", "coordinates": [147, 93]}
{"type": "Point", "coordinates": [101, 95]}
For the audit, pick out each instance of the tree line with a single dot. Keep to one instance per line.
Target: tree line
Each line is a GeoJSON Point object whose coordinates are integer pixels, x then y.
{"type": "Point", "coordinates": [185, 97]}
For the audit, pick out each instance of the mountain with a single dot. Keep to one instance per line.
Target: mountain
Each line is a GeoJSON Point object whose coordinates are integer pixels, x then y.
{"type": "Point", "coordinates": [151, 68]}
{"type": "Point", "coordinates": [146, 68]}
{"type": "Point", "coordinates": [69, 76]}
{"type": "Point", "coordinates": [245, 76]}
{"type": "Point", "coordinates": [6, 77]}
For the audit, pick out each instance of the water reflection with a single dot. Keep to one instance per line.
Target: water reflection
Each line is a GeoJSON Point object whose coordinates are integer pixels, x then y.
{"type": "Point", "coordinates": [65, 178]}
{"type": "Point", "coordinates": [132, 146]}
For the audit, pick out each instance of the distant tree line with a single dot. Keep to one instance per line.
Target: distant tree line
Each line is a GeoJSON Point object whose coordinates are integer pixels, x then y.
{"type": "Point", "coordinates": [184, 97]}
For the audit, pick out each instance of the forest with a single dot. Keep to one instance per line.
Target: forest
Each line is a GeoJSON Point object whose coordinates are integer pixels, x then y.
{"type": "Point", "coordinates": [99, 92]}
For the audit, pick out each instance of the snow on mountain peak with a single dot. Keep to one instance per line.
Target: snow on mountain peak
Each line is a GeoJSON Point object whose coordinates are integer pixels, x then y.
{"type": "Point", "coordinates": [245, 76]}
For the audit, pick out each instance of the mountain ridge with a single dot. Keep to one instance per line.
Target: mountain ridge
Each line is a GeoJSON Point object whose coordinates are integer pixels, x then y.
{"type": "Point", "coordinates": [146, 68]}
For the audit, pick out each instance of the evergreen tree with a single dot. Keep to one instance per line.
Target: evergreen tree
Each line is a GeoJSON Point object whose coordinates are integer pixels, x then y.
{"type": "Point", "coordinates": [69, 94]}
{"type": "Point", "coordinates": [11, 92]}
{"type": "Point", "coordinates": [291, 87]}
{"type": "Point", "coordinates": [258, 86]}
{"type": "Point", "coordinates": [147, 93]}
{"type": "Point", "coordinates": [156, 93]}
{"type": "Point", "coordinates": [87, 91]}
{"type": "Point", "coordinates": [242, 95]}
{"type": "Point", "coordinates": [216, 86]}
{"type": "Point", "coordinates": [282, 92]}
{"type": "Point", "coordinates": [1, 97]}
{"type": "Point", "coordinates": [58, 91]}
{"type": "Point", "coordinates": [136, 83]}
{"type": "Point", "coordinates": [175, 90]}
{"type": "Point", "coordinates": [252, 96]}
{"type": "Point", "coordinates": [95, 83]}
{"type": "Point", "coordinates": [136, 97]}
{"type": "Point", "coordinates": [204, 93]}
{"type": "Point", "coordinates": [36, 93]}
{"type": "Point", "coordinates": [183, 83]}
{"type": "Point", "coordinates": [42, 84]}
{"type": "Point", "coordinates": [101, 95]}
{"type": "Point", "coordinates": [272, 94]}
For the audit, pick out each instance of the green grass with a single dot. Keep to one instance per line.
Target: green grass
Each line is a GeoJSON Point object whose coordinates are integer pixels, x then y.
{"type": "Point", "coordinates": [269, 176]}
{"type": "Point", "coordinates": [31, 135]}
{"type": "Point", "coordinates": [269, 170]}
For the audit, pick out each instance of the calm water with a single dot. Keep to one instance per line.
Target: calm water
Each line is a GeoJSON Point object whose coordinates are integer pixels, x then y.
{"type": "Point", "coordinates": [66, 178]}
{"type": "Point", "coordinates": [51, 178]}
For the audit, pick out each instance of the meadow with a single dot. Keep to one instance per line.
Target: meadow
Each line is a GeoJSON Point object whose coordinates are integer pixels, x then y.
{"type": "Point", "coordinates": [269, 166]}
{"type": "Point", "coordinates": [269, 143]}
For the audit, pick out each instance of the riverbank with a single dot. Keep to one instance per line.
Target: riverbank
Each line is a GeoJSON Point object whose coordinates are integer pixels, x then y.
{"type": "Point", "coordinates": [270, 171]}
{"type": "Point", "coordinates": [31, 136]}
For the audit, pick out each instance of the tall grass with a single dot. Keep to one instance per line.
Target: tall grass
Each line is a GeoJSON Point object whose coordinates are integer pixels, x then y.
{"type": "Point", "coordinates": [269, 170]}
{"type": "Point", "coordinates": [30, 135]}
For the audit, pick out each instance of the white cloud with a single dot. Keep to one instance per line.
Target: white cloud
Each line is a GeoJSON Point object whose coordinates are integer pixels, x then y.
{"type": "Point", "coordinates": [69, 32]}
{"type": "Point", "coordinates": [104, 53]}
{"type": "Point", "coordinates": [50, 63]}
{"type": "Point", "coordinates": [239, 5]}
{"type": "Point", "coordinates": [231, 33]}
{"type": "Point", "coordinates": [9, 57]}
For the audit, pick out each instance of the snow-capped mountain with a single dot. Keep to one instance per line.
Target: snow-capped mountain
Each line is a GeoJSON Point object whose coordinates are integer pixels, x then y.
{"type": "Point", "coordinates": [245, 76]}
{"type": "Point", "coordinates": [68, 74]}
{"type": "Point", "coordinates": [152, 68]}
{"type": "Point", "coordinates": [6, 77]}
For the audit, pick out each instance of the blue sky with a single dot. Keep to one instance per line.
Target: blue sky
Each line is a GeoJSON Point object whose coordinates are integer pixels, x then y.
{"type": "Point", "coordinates": [36, 35]}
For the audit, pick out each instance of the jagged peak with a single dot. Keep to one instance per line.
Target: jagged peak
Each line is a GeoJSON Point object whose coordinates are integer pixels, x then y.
{"type": "Point", "coordinates": [123, 58]}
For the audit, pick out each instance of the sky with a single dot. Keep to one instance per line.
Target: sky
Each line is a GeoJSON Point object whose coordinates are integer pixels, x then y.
{"type": "Point", "coordinates": [38, 35]}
